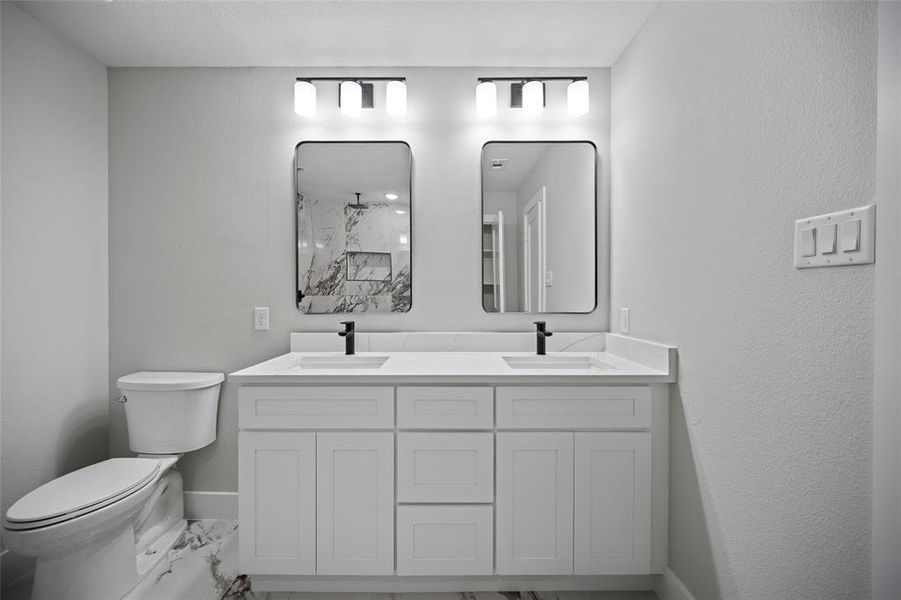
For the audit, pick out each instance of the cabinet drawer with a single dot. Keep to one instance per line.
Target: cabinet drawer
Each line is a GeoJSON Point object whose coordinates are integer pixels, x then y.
{"type": "Point", "coordinates": [308, 407]}
{"type": "Point", "coordinates": [596, 407]}
{"type": "Point", "coordinates": [445, 540]}
{"type": "Point", "coordinates": [445, 408]}
{"type": "Point", "coordinates": [445, 467]}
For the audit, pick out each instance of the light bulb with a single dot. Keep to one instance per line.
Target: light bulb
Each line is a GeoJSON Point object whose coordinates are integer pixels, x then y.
{"type": "Point", "coordinates": [351, 98]}
{"type": "Point", "coordinates": [400, 211]}
{"type": "Point", "coordinates": [533, 98]}
{"type": "Point", "coordinates": [391, 196]}
{"type": "Point", "coordinates": [577, 98]}
{"type": "Point", "coordinates": [396, 98]}
{"type": "Point", "coordinates": [305, 98]}
{"type": "Point", "coordinates": [486, 99]}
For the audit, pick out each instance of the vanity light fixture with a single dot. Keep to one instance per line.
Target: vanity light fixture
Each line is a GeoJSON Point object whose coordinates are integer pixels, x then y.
{"type": "Point", "coordinates": [305, 98]}
{"type": "Point", "coordinates": [486, 99]}
{"type": "Point", "coordinates": [528, 93]}
{"type": "Point", "coordinates": [354, 94]}
{"type": "Point", "coordinates": [350, 98]}
{"type": "Point", "coordinates": [533, 98]}
{"type": "Point", "coordinates": [577, 98]}
{"type": "Point", "coordinates": [396, 98]}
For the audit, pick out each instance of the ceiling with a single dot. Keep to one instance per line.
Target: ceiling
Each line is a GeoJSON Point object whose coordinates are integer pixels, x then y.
{"type": "Point", "coordinates": [338, 33]}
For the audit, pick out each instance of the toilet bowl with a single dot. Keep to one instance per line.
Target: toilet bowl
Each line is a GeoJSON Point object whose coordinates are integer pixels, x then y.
{"type": "Point", "coordinates": [97, 531]}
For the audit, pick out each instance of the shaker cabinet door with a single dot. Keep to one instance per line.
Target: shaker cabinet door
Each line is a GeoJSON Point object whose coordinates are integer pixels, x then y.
{"type": "Point", "coordinates": [355, 503]}
{"type": "Point", "coordinates": [277, 503]}
{"type": "Point", "coordinates": [534, 503]}
{"type": "Point", "coordinates": [612, 503]}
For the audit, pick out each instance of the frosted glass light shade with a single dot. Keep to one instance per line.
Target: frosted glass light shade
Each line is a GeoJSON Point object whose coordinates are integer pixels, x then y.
{"type": "Point", "coordinates": [305, 98]}
{"type": "Point", "coordinates": [533, 98]}
{"type": "Point", "coordinates": [486, 99]}
{"type": "Point", "coordinates": [396, 98]}
{"type": "Point", "coordinates": [577, 98]}
{"type": "Point", "coordinates": [351, 94]}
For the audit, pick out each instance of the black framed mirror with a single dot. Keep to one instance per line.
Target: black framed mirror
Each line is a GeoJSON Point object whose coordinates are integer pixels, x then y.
{"type": "Point", "coordinates": [539, 227]}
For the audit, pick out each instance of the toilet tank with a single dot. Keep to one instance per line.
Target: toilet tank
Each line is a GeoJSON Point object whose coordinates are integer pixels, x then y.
{"type": "Point", "coordinates": [170, 412]}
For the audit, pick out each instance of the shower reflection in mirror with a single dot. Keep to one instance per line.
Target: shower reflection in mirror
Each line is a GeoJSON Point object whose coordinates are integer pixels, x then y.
{"type": "Point", "coordinates": [353, 227]}
{"type": "Point", "coordinates": [539, 227]}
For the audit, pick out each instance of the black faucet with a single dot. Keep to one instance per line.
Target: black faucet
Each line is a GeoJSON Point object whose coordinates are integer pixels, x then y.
{"type": "Point", "coordinates": [542, 334]}
{"type": "Point", "coordinates": [348, 335]}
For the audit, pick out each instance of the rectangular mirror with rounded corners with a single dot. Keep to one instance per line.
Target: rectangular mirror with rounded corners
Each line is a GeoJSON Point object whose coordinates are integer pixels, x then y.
{"type": "Point", "coordinates": [539, 227]}
{"type": "Point", "coordinates": [353, 227]}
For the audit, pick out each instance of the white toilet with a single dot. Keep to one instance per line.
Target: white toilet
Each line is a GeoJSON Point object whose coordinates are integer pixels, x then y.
{"type": "Point", "coordinates": [97, 531]}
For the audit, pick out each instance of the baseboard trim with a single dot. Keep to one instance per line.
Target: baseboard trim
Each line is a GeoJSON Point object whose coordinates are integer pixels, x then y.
{"type": "Point", "coordinates": [211, 505]}
{"type": "Point", "coordinates": [670, 587]}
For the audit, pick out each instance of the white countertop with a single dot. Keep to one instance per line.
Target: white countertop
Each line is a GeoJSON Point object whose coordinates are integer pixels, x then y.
{"type": "Point", "coordinates": [462, 367]}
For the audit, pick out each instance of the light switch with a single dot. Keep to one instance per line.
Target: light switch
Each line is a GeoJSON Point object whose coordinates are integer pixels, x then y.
{"type": "Point", "coordinates": [826, 238]}
{"type": "Point", "coordinates": [843, 238]}
{"type": "Point", "coordinates": [851, 236]}
{"type": "Point", "coordinates": [809, 241]}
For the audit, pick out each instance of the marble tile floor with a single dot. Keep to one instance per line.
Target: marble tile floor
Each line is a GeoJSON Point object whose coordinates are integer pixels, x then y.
{"type": "Point", "coordinates": [203, 565]}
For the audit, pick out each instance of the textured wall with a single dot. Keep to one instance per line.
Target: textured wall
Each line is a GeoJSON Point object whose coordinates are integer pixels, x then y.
{"type": "Point", "coordinates": [54, 256]}
{"type": "Point", "coordinates": [201, 218]}
{"type": "Point", "coordinates": [730, 121]}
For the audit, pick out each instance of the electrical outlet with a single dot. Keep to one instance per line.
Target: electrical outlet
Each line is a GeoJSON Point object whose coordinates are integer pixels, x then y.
{"type": "Point", "coordinates": [261, 318]}
{"type": "Point", "coordinates": [624, 320]}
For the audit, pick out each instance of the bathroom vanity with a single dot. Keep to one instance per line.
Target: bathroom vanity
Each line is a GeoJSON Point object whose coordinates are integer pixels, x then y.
{"type": "Point", "coordinates": [427, 458]}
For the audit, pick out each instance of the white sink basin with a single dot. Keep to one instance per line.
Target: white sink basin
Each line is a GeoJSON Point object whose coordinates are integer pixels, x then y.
{"type": "Point", "coordinates": [556, 362]}
{"type": "Point", "coordinates": [322, 363]}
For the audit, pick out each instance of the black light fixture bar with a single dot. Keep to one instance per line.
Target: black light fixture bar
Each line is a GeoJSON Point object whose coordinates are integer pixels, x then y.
{"type": "Point", "coordinates": [577, 78]}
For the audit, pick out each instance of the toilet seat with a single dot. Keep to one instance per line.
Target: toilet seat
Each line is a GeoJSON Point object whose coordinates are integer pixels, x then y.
{"type": "Point", "coordinates": [80, 492]}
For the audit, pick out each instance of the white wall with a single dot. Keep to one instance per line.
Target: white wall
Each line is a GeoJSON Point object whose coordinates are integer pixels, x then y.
{"type": "Point", "coordinates": [887, 402]}
{"type": "Point", "coordinates": [730, 121]}
{"type": "Point", "coordinates": [201, 217]}
{"type": "Point", "coordinates": [54, 256]}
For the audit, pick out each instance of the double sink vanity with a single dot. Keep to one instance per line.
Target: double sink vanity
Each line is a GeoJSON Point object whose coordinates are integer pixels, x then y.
{"type": "Point", "coordinates": [453, 461]}
{"type": "Point", "coordinates": [427, 460]}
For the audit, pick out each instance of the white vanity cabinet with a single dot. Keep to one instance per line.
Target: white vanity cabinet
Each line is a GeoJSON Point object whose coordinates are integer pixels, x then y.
{"type": "Point", "coordinates": [576, 501]}
{"type": "Point", "coordinates": [418, 487]}
{"type": "Point", "coordinates": [549, 482]}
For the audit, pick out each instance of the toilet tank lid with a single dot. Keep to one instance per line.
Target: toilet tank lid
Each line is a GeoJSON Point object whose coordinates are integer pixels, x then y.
{"type": "Point", "coordinates": [168, 380]}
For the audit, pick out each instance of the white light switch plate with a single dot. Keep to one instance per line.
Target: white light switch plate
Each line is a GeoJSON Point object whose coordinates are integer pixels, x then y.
{"type": "Point", "coordinates": [832, 252]}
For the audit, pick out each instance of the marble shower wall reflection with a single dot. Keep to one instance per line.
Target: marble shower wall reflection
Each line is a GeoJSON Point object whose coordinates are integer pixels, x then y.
{"type": "Point", "coordinates": [353, 227]}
